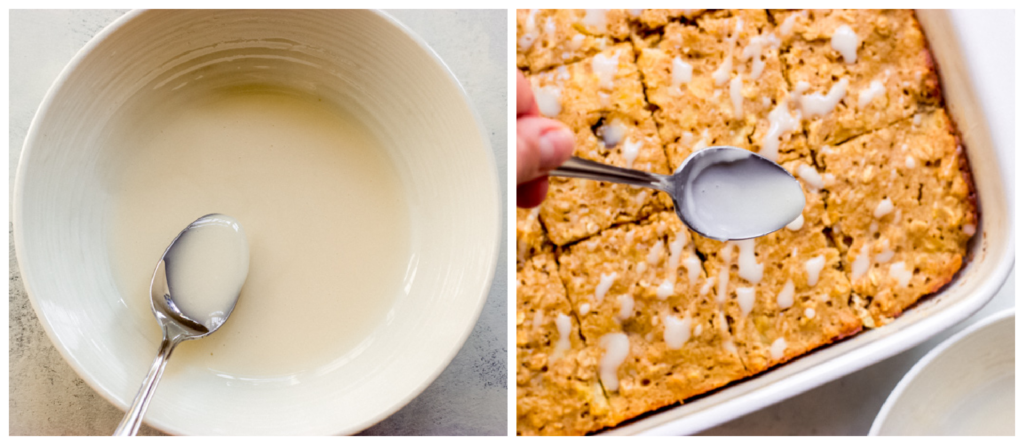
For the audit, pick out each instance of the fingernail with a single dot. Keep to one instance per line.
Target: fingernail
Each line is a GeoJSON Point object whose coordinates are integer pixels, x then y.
{"type": "Point", "coordinates": [555, 147]}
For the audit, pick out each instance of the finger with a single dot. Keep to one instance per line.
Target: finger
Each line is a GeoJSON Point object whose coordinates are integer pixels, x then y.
{"type": "Point", "coordinates": [542, 144]}
{"type": "Point", "coordinates": [525, 105]}
{"type": "Point", "coordinates": [532, 193]}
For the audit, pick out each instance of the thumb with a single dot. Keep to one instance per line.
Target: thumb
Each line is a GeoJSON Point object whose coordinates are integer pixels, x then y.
{"type": "Point", "coordinates": [541, 145]}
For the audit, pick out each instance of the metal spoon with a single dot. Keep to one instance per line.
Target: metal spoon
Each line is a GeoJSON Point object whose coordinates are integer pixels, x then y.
{"type": "Point", "coordinates": [723, 193]}
{"type": "Point", "coordinates": [218, 242]}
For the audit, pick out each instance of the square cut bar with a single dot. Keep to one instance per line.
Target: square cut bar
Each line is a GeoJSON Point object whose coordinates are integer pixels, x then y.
{"type": "Point", "coordinates": [547, 38]}
{"type": "Point", "coordinates": [720, 82]}
{"type": "Point", "coordinates": [877, 62]}
{"type": "Point", "coordinates": [602, 102]}
{"type": "Point", "coordinates": [636, 290]}
{"type": "Point", "coordinates": [905, 209]}
{"type": "Point", "coordinates": [782, 294]}
{"type": "Point", "coordinates": [557, 389]}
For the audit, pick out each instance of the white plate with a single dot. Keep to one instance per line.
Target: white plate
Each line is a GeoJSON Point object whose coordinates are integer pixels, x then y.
{"type": "Point", "coordinates": [990, 260]}
{"type": "Point", "coordinates": [408, 98]}
{"type": "Point", "coordinates": [963, 387]}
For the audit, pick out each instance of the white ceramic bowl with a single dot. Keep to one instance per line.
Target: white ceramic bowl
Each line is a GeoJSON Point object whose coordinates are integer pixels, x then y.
{"type": "Point", "coordinates": [362, 60]}
{"type": "Point", "coordinates": [963, 387]}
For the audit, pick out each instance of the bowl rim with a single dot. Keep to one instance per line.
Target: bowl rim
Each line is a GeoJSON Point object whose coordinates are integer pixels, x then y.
{"type": "Point", "coordinates": [105, 393]}
{"type": "Point", "coordinates": [931, 357]}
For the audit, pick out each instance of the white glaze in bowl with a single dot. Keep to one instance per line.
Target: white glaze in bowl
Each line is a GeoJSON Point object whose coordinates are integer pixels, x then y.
{"type": "Point", "coordinates": [362, 61]}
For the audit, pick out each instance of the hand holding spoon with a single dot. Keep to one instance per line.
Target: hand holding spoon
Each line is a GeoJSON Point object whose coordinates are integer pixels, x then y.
{"type": "Point", "coordinates": [194, 289]}
{"type": "Point", "coordinates": [723, 193]}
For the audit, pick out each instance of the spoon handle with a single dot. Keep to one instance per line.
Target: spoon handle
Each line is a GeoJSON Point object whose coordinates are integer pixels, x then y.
{"type": "Point", "coordinates": [133, 417]}
{"type": "Point", "coordinates": [582, 168]}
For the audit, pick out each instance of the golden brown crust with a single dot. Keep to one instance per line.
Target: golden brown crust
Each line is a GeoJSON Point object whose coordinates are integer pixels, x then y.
{"type": "Point", "coordinates": [816, 314]}
{"type": "Point", "coordinates": [557, 392]}
{"type": "Point", "coordinates": [595, 96]}
{"type": "Point", "coordinates": [652, 270]}
{"type": "Point", "coordinates": [700, 112]}
{"type": "Point", "coordinates": [891, 51]}
{"type": "Point", "coordinates": [900, 194]}
{"type": "Point", "coordinates": [812, 312]}
{"type": "Point", "coordinates": [550, 37]}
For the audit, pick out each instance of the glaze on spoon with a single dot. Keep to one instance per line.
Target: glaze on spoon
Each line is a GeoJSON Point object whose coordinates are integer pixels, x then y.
{"type": "Point", "coordinates": [194, 289]}
{"type": "Point", "coordinates": [723, 193]}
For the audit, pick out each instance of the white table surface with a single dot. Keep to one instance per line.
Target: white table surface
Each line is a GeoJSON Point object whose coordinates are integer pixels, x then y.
{"type": "Point", "coordinates": [469, 397]}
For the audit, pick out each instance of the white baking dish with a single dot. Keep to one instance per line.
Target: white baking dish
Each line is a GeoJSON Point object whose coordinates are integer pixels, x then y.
{"type": "Point", "coordinates": [990, 261]}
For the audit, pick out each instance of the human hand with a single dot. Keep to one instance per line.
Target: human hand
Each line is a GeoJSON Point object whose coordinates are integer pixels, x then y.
{"type": "Point", "coordinates": [541, 145]}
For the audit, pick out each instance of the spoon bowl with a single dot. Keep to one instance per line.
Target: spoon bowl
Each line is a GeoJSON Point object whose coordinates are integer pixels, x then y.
{"type": "Point", "coordinates": [723, 193]}
{"type": "Point", "coordinates": [729, 193]}
{"type": "Point", "coordinates": [217, 243]}
{"type": "Point", "coordinates": [166, 312]}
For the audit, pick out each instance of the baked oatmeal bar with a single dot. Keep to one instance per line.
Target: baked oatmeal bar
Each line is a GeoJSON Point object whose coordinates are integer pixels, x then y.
{"type": "Point", "coordinates": [546, 38]}
{"type": "Point", "coordinates": [602, 102]}
{"type": "Point", "coordinates": [783, 294]}
{"type": "Point", "coordinates": [637, 289]}
{"type": "Point", "coordinates": [720, 82]}
{"type": "Point", "coordinates": [557, 388]}
{"type": "Point", "coordinates": [550, 37]}
{"type": "Point", "coordinates": [905, 211]}
{"type": "Point", "coordinates": [856, 70]}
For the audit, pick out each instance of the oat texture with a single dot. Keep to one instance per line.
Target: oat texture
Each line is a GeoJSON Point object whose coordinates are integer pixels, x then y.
{"type": "Point", "coordinates": [621, 309]}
